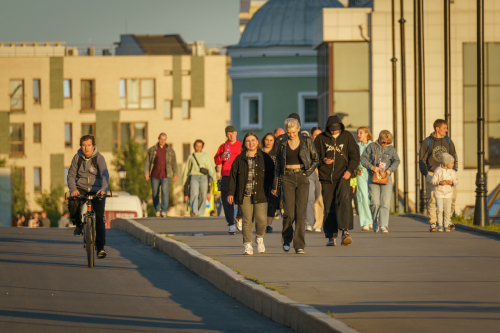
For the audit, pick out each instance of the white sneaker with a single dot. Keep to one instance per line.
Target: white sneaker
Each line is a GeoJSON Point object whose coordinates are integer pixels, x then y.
{"type": "Point", "coordinates": [371, 226]}
{"type": "Point", "coordinates": [163, 214]}
{"type": "Point", "coordinates": [248, 249]}
{"type": "Point", "coordinates": [157, 214]}
{"type": "Point", "coordinates": [260, 244]}
{"type": "Point", "coordinates": [384, 230]}
{"type": "Point", "coordinates": [366, 228]}
{"type": "Point", "coordinates": [239, 224]}
{"type": "Point", "coordinates": [231, 230]}
{"type": "Point", "coordinates": [317, 230]}
{"type": "Point", "coordinates": [308, 227]}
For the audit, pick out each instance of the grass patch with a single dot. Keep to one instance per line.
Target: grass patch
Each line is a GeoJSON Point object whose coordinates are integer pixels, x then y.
{"type": "Point", "coordinates": [263, 284]}
{"type": "Point", "coordinates": [331, 314]}
{"type": "Point", "coordinates": [462, 220]}
{"type": "Point", "coordinates": [180, 240]}
{"type": "Point", "coordinates": [237, 271]}
{"type": "Point", "coordinates": [215, 259]}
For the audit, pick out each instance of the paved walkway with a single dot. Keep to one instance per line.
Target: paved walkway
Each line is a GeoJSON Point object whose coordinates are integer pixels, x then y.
{"type": "Point", "coordinates": [409, 280]}
{"type": "Point", "coordinates": [46, 286]}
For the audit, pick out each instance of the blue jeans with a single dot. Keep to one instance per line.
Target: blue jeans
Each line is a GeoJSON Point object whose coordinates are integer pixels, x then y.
{"type": "Point", "coordinates": [155, 185]}
{"type": "Point", "coordinates": [198, 194]}
{"type": "Point", "coordinates": [380, 202]}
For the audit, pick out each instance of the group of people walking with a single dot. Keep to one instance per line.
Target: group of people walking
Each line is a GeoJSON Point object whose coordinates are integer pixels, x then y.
{"type": "Point", "coordinates": [308, 179]}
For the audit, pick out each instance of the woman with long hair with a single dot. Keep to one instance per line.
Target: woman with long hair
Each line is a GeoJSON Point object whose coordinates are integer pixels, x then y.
{"type": "Point", "coordinates": [269, 148]}
{"type": "Point", "coordinates": [252, 174]}
{"type": "Point", "coordinates": [362, 195]}
{"type": "Point", "coordinates": [296, 160]}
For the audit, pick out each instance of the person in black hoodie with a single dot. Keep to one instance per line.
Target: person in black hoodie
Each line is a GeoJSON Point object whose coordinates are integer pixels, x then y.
{"type": "Point", "coordinates": [338, 161]}
{"type": "Point", "coordinates": [296, 159]}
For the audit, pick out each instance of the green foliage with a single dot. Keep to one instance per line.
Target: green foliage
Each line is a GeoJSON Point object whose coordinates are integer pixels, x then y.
{"type": "Point", "coordinates": [331, 314]}
{"type": "Point", "coordinates": [19, 199]}
{"type": "Point", "coordinates": [52, 203]}
{"type": "Point", "coordinates": [462, 220]}
{"type": "Point", "coordinates": [3, 162]}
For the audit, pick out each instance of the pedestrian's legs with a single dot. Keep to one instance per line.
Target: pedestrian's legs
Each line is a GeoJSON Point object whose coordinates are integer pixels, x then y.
{"type": "Point", "coordinates": [98, 206]}
{"type": "Point", "coordinates": [431, 200]}
{"type": "Point", "coordinates": [440, 209]}
{"type": "Point", "coordinates": [374, 190]}
{"type": "Point", "coordinates": [310, 203]}
{"type": "Point", "coordinates": [228, 209]}
{"type": "Point", "coordinates": [165, 191]}
{"type": "Point", "coordinates": [365, 216]}
{"type": "Point", "coordinates": [447, 211]}
{"type": "Point", "coordinates": [202, 195]}
{"type": "Point", "coordinates": [247, 216]}
{"type": "Point", "coordinates": [260, 214]}
{"type": "Point", "coordinates": [301, 195]}
{"type": "Point", "coordinates": [155, 186]}
{"type": "Point", "coordinates": [385, 204]}
{"type": "Point", "coordinates": [343, 206]}
{"type": "Point", "coordinates": [330, 226]}
{"type": "Point", "coordinates": [75, 212]}
{"type": "Point", "coordinates": [454, 200]}
{"type": "Point", "coordinates": [318, 207]}
{"type": "Point", "coordinates": [194, 194]}
{"type": "Point", "coordinates": [289, 186]}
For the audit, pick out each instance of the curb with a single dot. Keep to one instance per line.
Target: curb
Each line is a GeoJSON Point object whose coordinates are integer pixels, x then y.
{"type": "Point", "coordinates": [458, 225]}
{"type": "Point", "coordinates": [299, 317]}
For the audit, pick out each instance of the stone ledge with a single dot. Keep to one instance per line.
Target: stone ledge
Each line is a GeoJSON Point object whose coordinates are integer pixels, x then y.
{"type": "Point", "coordinates": [300, 317]}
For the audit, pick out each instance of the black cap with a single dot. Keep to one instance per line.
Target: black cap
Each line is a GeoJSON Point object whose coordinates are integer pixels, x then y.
{"type": "Point", "coordinates": [230, 129]}
{"type": "Point", "coordinates": [334, 127]}
{"type": "Point", "coordinates": [294, 116]}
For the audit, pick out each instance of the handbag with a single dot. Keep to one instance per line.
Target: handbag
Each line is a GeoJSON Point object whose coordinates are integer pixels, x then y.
{"type": "Point", "coordinates": [202, 170]}
{"type": "Point", "coordinates": [376, 178]}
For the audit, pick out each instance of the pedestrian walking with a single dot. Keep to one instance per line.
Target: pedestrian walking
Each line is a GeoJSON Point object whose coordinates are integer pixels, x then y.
{"type": "Point", "coordinates": [252, 175]}
{"type": "Point", "coordinates": [160, 165]}
{"type": "Point", "coordinates": [310, 213]}
{"type": "Point", "coordinates": [339, 159]}
{"type": "Point", "coordinates": [269, 148]}
{"type": "Point", "coordinates": [225, 156]}
{"type": "Point", "coordinates": [445, 180]}
{"type": "Point", "coordinates": [296, 159]}
{"type": "Point", "coordinates": [318, 198]}
{"type": "Point", "coordinates": [430, 158]}
{"type": "Point", "coordinates": [382, 159]}
{"type": "Point", "coordinates": [44, 220]}
{"type": "Point", "coordinates": [362, 195]}
{"type": "Point", "coordinates": [198, 168]}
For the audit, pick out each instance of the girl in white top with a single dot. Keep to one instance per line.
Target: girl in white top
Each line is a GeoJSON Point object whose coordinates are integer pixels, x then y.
{"type": "Point", "coordinates": [444, 179]}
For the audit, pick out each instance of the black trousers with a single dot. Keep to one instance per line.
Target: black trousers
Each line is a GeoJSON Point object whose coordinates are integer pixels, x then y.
{"type": "Point", "coordinates": [338, 209]}
{"type": "Point", "coordinates": [98, 206]}
{"type": "Point", "coordinates": [228, 209]}
{"type": "Point", "coordinates": [295, 194]}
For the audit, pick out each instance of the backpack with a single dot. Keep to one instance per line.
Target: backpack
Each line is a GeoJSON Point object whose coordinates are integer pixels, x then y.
{"type": "Point", "coordinates": [94, 162]}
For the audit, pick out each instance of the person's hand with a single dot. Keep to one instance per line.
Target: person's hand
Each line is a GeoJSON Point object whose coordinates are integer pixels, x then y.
{"type": "Point", "coordinates": [186, 198]}
{"type": "Point", "coordinates": [327, 160]}
{"type": "Point", "coordinates": [274, 192]}
{"type": "Point", "coordinates": [175, 178]}
{"type": "Point", "coordinates": [375, 169]}
{"type": "Point", "coordinates": [225, 155]}
{"type": "Point", "coordinates": [360, 172]}
{"type": "Point", "coordinates": [208, 196]}
{"type": "Point", "coordinates": [101, 193]}
{"type": "Point", "coordinates": [146, 176]}
{"type": "Point", "coordinates": [353, 190]}
{"type": "Point", "coordinates": [219, 176]}
{"type": "Point", "coordinates": [230, 199]}
{"type": "Point", "coordinates": [75, 193]}
{"type": "Point", "coordinates": [347, 175]}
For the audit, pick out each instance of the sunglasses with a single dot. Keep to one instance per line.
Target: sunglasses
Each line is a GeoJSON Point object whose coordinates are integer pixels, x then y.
{"type": "Point", "coordinates": [384, 142]}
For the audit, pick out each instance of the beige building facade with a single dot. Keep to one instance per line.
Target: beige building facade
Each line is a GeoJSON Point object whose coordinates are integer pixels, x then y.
{"type": "Point", "coordinates": [360, 79]}
{"type": "Point", "coordinates": [48, 102]}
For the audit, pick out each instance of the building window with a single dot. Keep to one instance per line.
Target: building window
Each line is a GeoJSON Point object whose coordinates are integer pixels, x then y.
{"type": "Point", "coordinates": [88, 129]}
{"type": "Point", "coordinates": [37, 133]}
{"type": "Point", "coordinates": [37, 179]}
{"type": "Point", "coordinates": [16, 95]}
{"type": "Point", "coordinates": [186, 109]}
{"type": "Point", "coordinates": [308, 108]}
{"type": "Point", "coordinates": [186, 151]}
{"type": "Point", "coordinates": [66, 171]}
{"type": "Point", "coordinates": [67, 88]}
{"type": "Point", "coordinates": [36, 91]}
{"type": "Point", "coordinates": [123, 132]}
{"type": "Point", "coordinates": [167, 109]}
{"type": "Point", "coordinates": [491, 105]}
{"type": "Point", "coordinates": [251, 111]}
{"type": "Point", "coordinates": [88, 94]}
{"type": "Point", "coordinates": [68, 135]}
{"type": "Point", "coordinates": [16, 139]}
{"type": "Point", "coordinates": [137, 93]}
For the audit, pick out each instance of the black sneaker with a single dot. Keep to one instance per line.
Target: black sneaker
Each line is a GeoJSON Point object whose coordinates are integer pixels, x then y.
{"type": "Point", "coordinates": [101, 254]}
{"type": "Point", "coordinates": [269, 229]}
{"type": "Point", "coordinates": [78, 230]}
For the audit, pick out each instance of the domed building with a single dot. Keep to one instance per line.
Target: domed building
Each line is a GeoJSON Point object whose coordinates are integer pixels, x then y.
{"type": "Point", "coordinates": [274, 67]}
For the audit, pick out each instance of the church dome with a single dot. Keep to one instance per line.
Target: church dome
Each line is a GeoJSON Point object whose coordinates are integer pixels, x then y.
{"type": "Point", "coordinates": [283, 23]}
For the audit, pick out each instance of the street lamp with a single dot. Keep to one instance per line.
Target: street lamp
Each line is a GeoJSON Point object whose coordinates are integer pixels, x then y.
{"type": "Point", "coordinates": [122, 173]}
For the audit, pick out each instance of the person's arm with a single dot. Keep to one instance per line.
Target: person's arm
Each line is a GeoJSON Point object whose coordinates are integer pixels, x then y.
{"type": "Point", "coordinates": [366, 158]}
{"type": "Point", "coordinates": [319, 150]}
{"type": "Point", "coordinates": [146, 163]}
{"type": "Point", "coordinates": [314, 157]}
{"type": "Point", "coordinates": [422, 162]}
{"type": "Point", "coordinates": [455, 178]}
{"type": "Point", "coordinates": [218, 156]}
{"type": "Point", "coordinates": [187, 169]}
{"type": "Point", "coordinates": [436, 177]}
{"type": "Point", "coordinates": [269, 173]}
{"type": "Point", "coordinates": [208, 164]}
{"type": "Point", "coordinates": [453, 153]}
{"type": "Point", "coordinates": [395, 161]}
{"type": "Point", "coordinates": [354, 158]}
{"type": "Point", "coordinates": [104, 173]}
{"type": "Point", "coordinates": [72, 172]}
{"type": "Point", "coordinates": [174, 165]}
{"type": "Point", "coordinates": [233, 178]}
{"type": "Point", "coordinates": [277, 169]}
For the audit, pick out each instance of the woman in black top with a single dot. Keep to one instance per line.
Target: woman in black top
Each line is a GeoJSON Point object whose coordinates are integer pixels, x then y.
{"type": "Point", "coordinates": [252, 174]}
{"type": "Point", "coordinates": [269, 147]}
{"type": "Point", "coordinates": [296, 159]}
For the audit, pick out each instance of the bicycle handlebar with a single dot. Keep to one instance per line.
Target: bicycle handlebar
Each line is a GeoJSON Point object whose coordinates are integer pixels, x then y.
{"type": "Point", "coordinates": [83, 197]}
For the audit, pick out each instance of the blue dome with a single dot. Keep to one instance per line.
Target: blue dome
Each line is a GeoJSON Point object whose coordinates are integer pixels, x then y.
{"type": "Point", "coordinates": [283, 23]}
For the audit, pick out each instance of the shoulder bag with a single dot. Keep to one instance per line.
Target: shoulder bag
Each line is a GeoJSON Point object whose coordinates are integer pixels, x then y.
{"type": "Point", "coordinates": [202, 170]}
{"type": "Point", "coordinates": [376, 178]}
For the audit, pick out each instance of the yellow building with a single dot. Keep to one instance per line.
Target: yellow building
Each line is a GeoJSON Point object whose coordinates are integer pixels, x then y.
{"type": "Point", "coordinates": [49, 99]}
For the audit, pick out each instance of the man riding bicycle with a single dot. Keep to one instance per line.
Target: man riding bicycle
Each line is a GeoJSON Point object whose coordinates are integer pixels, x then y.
{"type": "Point", "coordinates": [89, 174]}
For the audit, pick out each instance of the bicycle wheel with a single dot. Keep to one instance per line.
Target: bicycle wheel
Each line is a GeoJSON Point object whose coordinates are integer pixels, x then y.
{"type": "Point", "coordinates": [89, 246]}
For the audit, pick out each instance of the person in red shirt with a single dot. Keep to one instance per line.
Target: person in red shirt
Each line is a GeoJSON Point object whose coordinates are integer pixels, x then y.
{"type": "Point", "coordinates": [224, 158]}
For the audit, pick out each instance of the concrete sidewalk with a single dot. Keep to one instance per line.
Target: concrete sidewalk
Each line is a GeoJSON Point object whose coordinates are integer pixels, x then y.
{"type": "Point", "coordinates": [409, 280]}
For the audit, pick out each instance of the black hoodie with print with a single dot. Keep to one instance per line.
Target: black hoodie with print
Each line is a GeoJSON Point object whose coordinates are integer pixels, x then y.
{"type": "Point", "coordinates": [343, 150]}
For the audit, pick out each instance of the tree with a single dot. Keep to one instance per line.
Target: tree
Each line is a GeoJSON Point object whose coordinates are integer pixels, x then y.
{"type": "Point", "coordinates": [18, 194]}
{"type": "Point", "coordinates": [52, 203]}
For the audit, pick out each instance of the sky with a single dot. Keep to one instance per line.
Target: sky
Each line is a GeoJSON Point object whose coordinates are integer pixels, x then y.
{"type": "Point", "coordinates": [103, 21]}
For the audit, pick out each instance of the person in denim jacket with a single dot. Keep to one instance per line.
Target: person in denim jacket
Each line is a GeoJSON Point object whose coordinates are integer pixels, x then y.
{"type": "Point", "coordinates": [387, 162]}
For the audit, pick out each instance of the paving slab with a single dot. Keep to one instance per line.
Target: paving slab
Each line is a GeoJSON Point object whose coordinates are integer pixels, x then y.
{"type": "Point", "coordinates": [409, 280]}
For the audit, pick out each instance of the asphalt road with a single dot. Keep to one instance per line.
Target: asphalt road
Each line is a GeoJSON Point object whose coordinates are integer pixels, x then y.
{"type": "Point", "coordinates": [409, 280]}
{"type": "Point", "coordinates": [46, 286]}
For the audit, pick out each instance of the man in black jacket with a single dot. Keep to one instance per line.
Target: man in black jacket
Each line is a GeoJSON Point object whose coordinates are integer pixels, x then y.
{"type": "Point", "coordinates": [339, 159]}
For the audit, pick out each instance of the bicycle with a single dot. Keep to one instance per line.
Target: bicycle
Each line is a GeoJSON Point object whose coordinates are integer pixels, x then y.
{"type": "Point", "coordinates": [88, 225]}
